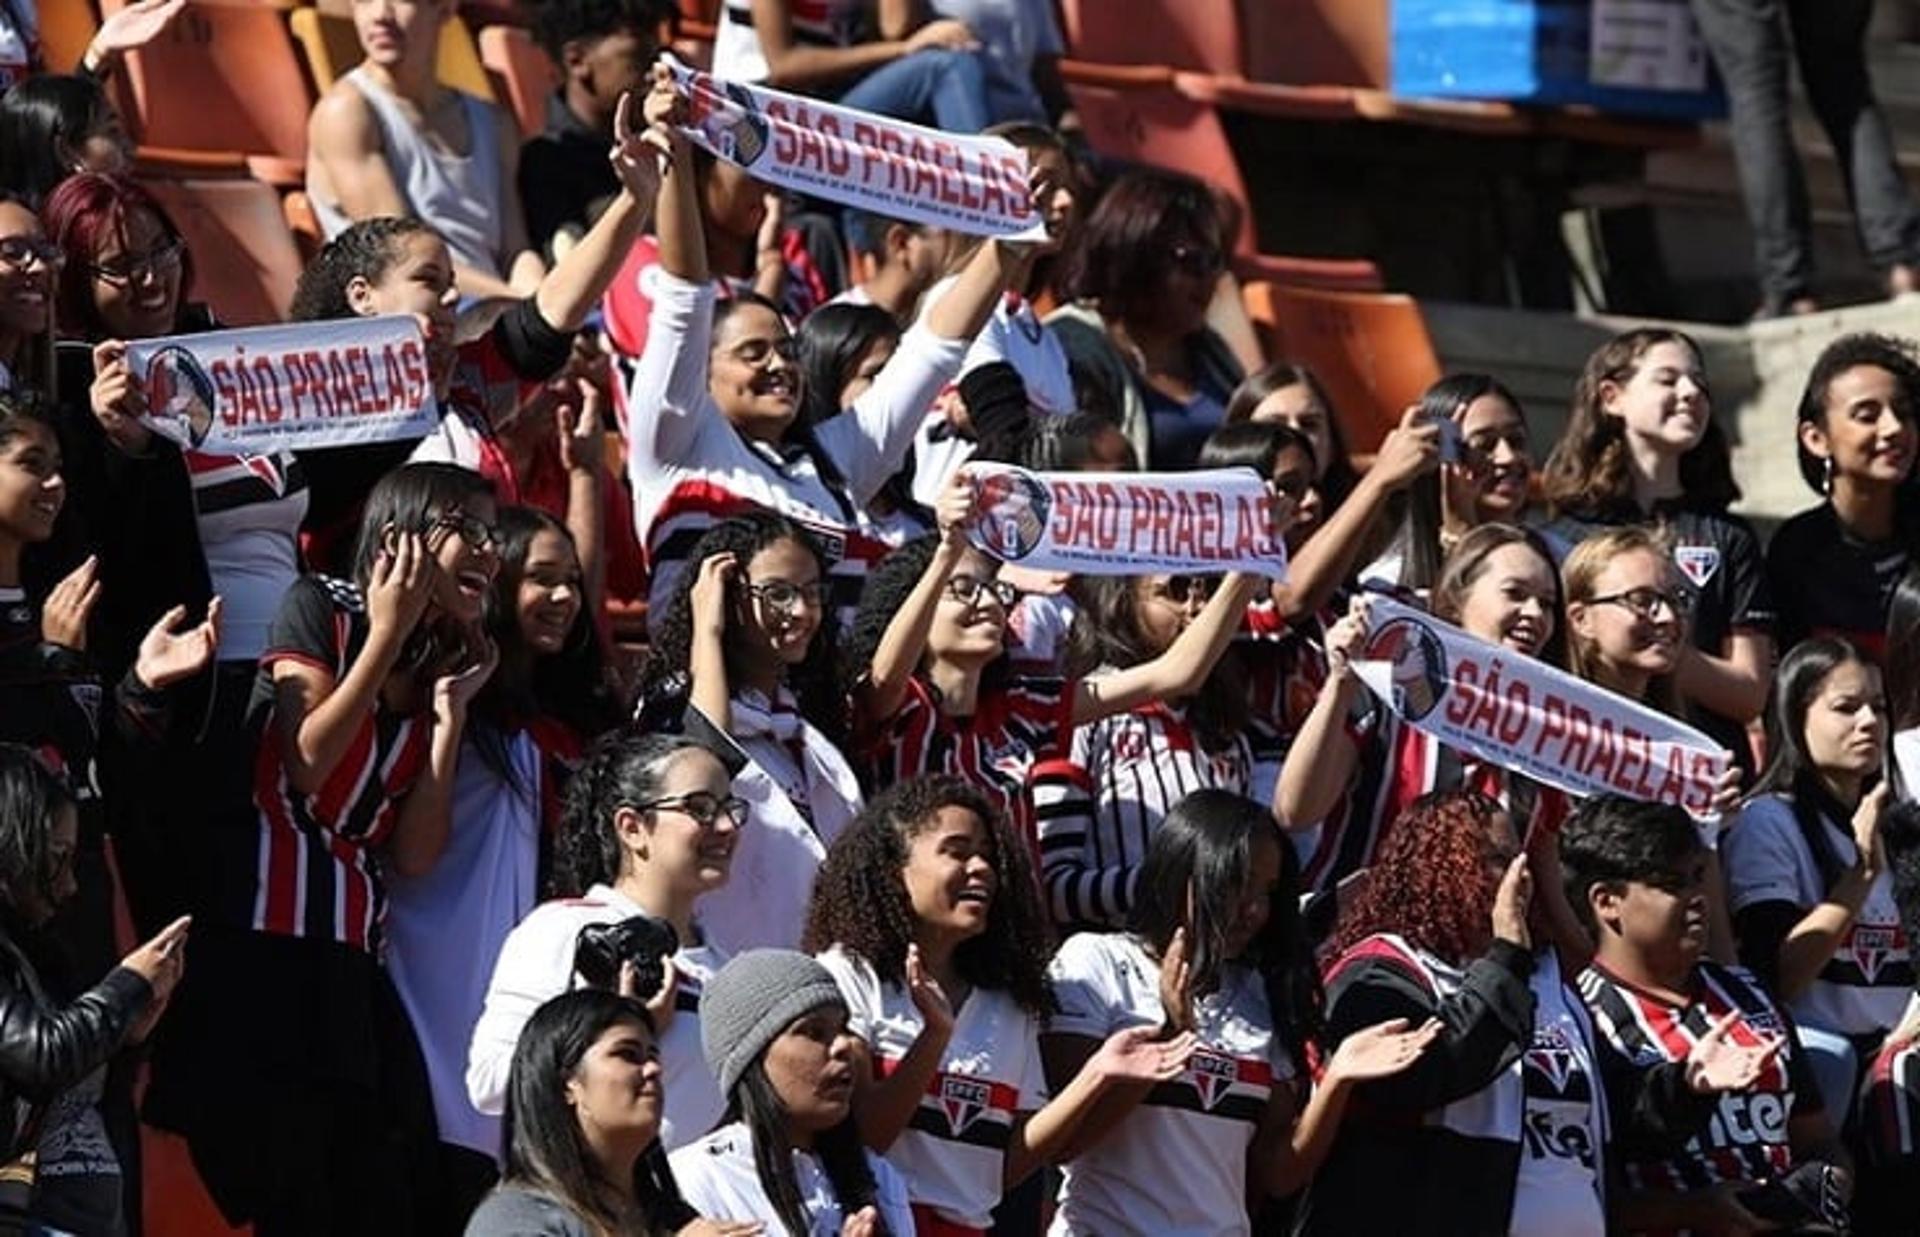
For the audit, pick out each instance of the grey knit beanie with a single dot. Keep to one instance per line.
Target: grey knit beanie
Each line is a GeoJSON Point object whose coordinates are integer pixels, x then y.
{"type": "Point", "coordinates": [751, 1000]}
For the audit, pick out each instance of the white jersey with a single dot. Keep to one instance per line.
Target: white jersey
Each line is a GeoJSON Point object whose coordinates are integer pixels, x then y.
{"type": "Point", "coordinates": [737, 55]}
{"type": "Point", "coordinates": [1863, 988]}
{"type": "Point", "coordinates": [1137, 765]}
{"type": "Point", "coordinates": [690, 468]}
{"type": "Point", "coordinates": [953, 1153]}
{"type": "Point", "coordinates": [1557, 1192]}
{"type": "Point", "coordinates": [536, 965]}
{"type": "Point", "coordinates": [1178, 1163]}
{"type": "Point", "coordinates": [1013, 334]}
{"type": "Point", "coordinates": [717, 1177]}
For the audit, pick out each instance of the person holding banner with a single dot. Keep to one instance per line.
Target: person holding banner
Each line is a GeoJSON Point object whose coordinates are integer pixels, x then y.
{"type": "Point", "coordinates": [841, 348]}
{"type": "Point", "coordinates": [748, 646]}
{"type": "Point", "coordinates": [933, 692]}
{"type": "Point", "coordinates": [1642, 448]}
{"type": "Point", "coordinates": [402, 266]}
{"type": "Point", "coordinates": [1806, 874]}
{"type": "Point", "coordinates": [1834, 567]}
{"type": "Point", "coordinates": [713, 413]}
{"type": "Point", "coordinates": [303, 1094]}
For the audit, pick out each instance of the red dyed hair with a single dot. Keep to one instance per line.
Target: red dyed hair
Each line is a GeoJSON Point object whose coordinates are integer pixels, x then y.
{"type": "Point", "coordinates": [81, 215]}
{"type": "Point", "coordinates": [1431, 882]}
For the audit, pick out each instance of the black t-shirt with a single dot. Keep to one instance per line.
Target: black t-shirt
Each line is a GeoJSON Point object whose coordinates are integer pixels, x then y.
{"type": "Point", "coordinates": [565, 179]}
{"type": "Point", "coordinates": [1828, 582]}
{"type": "Point", "coordinates": [1719, 556]}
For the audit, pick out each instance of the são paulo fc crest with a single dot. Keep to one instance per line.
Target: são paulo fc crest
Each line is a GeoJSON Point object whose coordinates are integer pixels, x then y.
{"type": "Point", "coordinates": [1699, 563]}
{"type": "Point", "coordinates": [1872, 946]}
{"type": "Point", "coordinates": [1212, 1076]}
{"type": "Point", "coordinates": [963, 1100]}
{"type": "Point", "coordinates": [1419, 665]}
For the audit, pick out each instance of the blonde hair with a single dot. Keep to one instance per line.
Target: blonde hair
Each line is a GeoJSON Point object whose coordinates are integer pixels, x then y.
{"type": "Point", "coordinates": [1583, 566]}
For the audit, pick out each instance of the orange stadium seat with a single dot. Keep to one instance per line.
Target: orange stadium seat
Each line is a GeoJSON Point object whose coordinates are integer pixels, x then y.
{"type": "Point", "coordinates": [1372, 351]}
{"type": "Point", "coordinates": [223, 78]}
{"type": "Point", "coordinates": [66, 27]}
{"type": "Point", "coordinates": [1185, 34]}
{"type": "Point", "coordinates": [1161, 127]}
{"type": "Point", "coordinates": [331, 49]}
{"type": "Point", "coordinates": [527, 77]}
{"type": "Point", "coordinates": [245, 261]}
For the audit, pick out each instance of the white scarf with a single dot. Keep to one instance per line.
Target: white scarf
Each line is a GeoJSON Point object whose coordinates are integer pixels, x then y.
{"type": "Point", "coordinates": [764, 902]}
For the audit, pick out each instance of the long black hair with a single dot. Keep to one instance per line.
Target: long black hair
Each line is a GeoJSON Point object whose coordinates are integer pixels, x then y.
{"type": "Point", "coordinates": [1107, 632]}
{"type": "Point", "coordinates": [541, 1130]}
{"type": "Point", "coordinates": [831, 342]}
{"type": "Point", "coordinates": [860, 899]}
{"type": "Point", "coordinates": [1420, 503]}
{"type": "Point", "coordinates": [886, 590]}
{"type": "Point", "coordinates": [412, 499]}
{"type": "Point", "coordinates": [1791, 771]}
{"type": "Point", "coordinates": [38, 117]}
{"type": "Point", "coordinates": [1195, 873]}
{"type": "Point", "coordinates": [31, 796]}
{"type": "Point", "coordinates": [842, 1154]}
{"type": "Point", "coordinates": [571, 686]}
{"type": "Point", "coordinates": [620, 770]}
{"type": "Point", "coordinates": [665, 683]}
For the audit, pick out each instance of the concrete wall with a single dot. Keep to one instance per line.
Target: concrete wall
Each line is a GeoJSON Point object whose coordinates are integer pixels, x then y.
{"type": "Point", "coordinates": [1757, 373]}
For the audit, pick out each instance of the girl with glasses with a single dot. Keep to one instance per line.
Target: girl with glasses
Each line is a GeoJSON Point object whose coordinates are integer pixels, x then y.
{"type": "Point", "coordinates": [1642, 448]}
{"type": "Point", "coordinates": [650, 828]}
{"type": "Point", "coordinates": [934, 692]}
{"type": "Point", "coordinates": [360, 707]}
{"type": "Point", "coordinates": [928, 916]}
{"type": "Point", "coordinates": [29, 270]}
{"type": "Point", "coordinates": [1807, 878]}
{"type": "Point", "coordinates": [746, 654]}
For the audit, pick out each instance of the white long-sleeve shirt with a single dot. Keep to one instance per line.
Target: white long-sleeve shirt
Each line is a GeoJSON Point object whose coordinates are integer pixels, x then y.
{"type": "Point", "coordinates": [690, 468]}
{"type": "Point", "coordinates": [536, 965]}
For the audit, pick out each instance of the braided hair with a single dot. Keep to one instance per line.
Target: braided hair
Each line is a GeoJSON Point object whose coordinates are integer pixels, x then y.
{"type": "Point", "coordinates": [364, 251]}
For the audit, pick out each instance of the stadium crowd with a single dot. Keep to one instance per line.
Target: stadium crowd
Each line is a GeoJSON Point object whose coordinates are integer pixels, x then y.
{"type": "Point", "coordinates": [888, 888]}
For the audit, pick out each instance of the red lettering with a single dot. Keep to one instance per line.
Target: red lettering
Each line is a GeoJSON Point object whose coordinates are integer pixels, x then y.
{"type": "Point", "coordinates": [1519, 707]}
{"type": "Point", "coordinates": [785, 142]}
{"type": "Point", "coordinates": [224, 394]}
{"type": "Point", "coordinates": [1606, 752]}
{"type": "Point", "coordinates": [1579, 737]}
{"type": "Point", "coordinates": [269, 389]}
{"type": "Point", "coordinates": [1106, 505]}
{"type": "Point", "coordinates": [1459, 706]}
{"type": "Point", "coordinates": [1553, 723]}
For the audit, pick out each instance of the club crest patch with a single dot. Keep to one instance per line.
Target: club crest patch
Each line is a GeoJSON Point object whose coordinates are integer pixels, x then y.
{"type": "Point", "coordinates": [1699, 563]}
{"type": "Point", "coordinates": [963, 1100]}
{"type": "Point", "coordinates": [1211, 1075]}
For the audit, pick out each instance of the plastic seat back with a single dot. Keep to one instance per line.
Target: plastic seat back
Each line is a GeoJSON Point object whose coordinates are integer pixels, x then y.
{"type": "Point", "coordinates": [244, 257]}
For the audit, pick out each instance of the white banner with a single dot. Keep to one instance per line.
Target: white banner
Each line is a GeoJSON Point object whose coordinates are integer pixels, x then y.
{"type": "Point", "coordinates": [1127, 524]}
{"type": "Point", "coordinates": [295, 387]}
{"type": "Point", "coordinates": [945, 180]}
{"type": "Point", "coordinates": [1532, 718]}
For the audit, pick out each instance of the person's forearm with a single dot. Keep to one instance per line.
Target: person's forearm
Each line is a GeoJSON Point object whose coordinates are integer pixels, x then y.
{"type": "Point", "coordinates": [1319, 762]}
{"type": "Point", "coordinates": [707, 668]}
{"type": "Point", "coordinates": [800, 67]}
{"type": "Point", "coordinates": [1811, 943]}
{"type": "Point", "coordinates": [886, 1106]}
{"type": "Point", "coordinates": [322, 737]}
{"type": "Point", "coordinates": [1046, 1136]}
{"type": "Point", "coordinates": [904, 642]}
{"type": "Point", "coordinates": [967, 305]}
{"type": "Point", "coordinates": [677, 228]}
{"type": "Point", "coordinates": [586, 524]}
{"type": "Point", "coordinates": [576, 283]}
{"type": "Point", "coordinates": [1177, 673]}
{"type": "Point", "coordinates": [426, 818]}
{"type": "Point", "coordinates": [1728, 686]}
{"type": "Point", "coordinates": [1305, 1148]}
{"type": "Point", "coordinates": [1328, 557]}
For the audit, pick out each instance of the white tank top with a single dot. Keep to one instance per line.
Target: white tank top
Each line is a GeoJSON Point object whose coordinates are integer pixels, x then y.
{"type": "Point", "coordinates": [459, 195]}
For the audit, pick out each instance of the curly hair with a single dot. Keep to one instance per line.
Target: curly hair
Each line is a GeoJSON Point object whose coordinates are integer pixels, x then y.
{"type": "Point", "coordinates": [620, 770]}
{"type": "Point", "coordinates": [860, 898]}
{"type": "Point", "coordinates": [557, 23]}
{"type": "Point", "coordinates": [665, 682]}
{"type": "Point", "coordinates": [363, 251]}
{"type": "Point", "coordinates": [1588, 474]}
{"type": "Point", "coordinates": [1431, 882]}
{"type": "Point", "coordinates": [1899, 357]}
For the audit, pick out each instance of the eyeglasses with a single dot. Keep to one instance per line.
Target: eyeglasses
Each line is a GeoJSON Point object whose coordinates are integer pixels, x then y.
{"type": "Point", "coordinates": [1200, 261]}
{"type": "Point", "coordinates": [1646, 603]}
{"type": "Point", "coordinates": [705, 809]}
{"type": "Point", "coordinates": [473, 530]}
{"type": "Point", "coordinates": [158, 263]}
{"type": "Point", "coordinates": [783, 597]}
{"type": "Point", "coordinates": [967, 590]}
{"type": "Point", "coordinates": [1295, 488]}
{"type": "Point", "coordinates": [1182, 589]}
{"type": "Point", "coordinates": [16, 252]}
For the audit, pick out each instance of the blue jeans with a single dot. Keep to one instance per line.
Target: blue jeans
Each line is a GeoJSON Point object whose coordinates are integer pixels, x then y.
{"type": "Point", "coordinates": [948, 88]}
{"type": "Point", "coordinates": [1835, 1067]}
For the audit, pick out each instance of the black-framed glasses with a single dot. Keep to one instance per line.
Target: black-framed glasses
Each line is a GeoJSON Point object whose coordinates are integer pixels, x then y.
{"type": "Point", "coordinates": [17, 252]}
{"type": "Point", "coordinates": [1646, 603]}
{"type": "Point", "coordinates": [1200, 261]}
{"type": "Point", "coordinates": [1181, 590]}
{"type": "Point", "coordinates": [704, 809]}
{"type": "Point", "coordinates": [473, 530]}
{"type": "Point", "coordinates": [1294, 488]}
{"type": "Point", "coordinates": [967, 590]}
{"type": "Point", "coordinates": [785, 597]}
{"type": "Point", "coordinates": [159, 262]}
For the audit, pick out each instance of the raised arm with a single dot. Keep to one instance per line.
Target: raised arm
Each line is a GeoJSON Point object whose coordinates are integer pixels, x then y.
{"type": "Point", "coordinates": [1181, 670]}
{"type": "Point", "coordinates": [904, 643]}
{"type": "Point", "coordinates": [1319, 766]}
{"type": "Point", "coordinates": [568, 293]}
{"type": "Point", "coordinates": [426, 817]}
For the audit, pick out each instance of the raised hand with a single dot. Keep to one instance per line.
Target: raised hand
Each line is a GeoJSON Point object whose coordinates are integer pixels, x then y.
{"type": "Point", "coordinates": [928, 997]}
{"type": "Point", "coordinates": [1510, 904]}
{"type": "Point", "coordinates": [862, 1223]}
{"type": "Point", "coordinates": [711, 588]}
{"type": "Point", "coordinates": [1410, 450]}
{"type": "Point", "coordinates": [1867, 819]}
{"type": "Point", "coordinates": [1138, 1054]}
{"type": "Point", "coordinates": [1176, 983]}
{"type": "Point", "coordinates": [1381, 1050]}
{"type": "Point", "coordinates": [454, 692]}
{"type": "Point", "coordinates": [168, 655]}
{"type": "Point", "coordinates": [401, 586]}
{"type": "Point", "coordinates": [117, 399]}
{"type": "Point", "coordinates": [1344, 638]}
{"type": "Point", "coordinates": [953, 510]}
{"type": "Point", "coordinates": [1726, 788]}
{"type": "Point", "coordinates": [69, 607]}
{"type": "Point", "coordinates": [130, 29]}
{"type": "Point", "coordinates": [638, 155]}
{"type": "Point", "coordinates": [664, 106]}
{"type": "Point", "coordinates": [583, 444]}
{"type": "Point", "coordinates": [1717, 1064]}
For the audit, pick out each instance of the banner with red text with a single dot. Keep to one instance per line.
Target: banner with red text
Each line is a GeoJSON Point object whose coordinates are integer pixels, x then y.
{"type": "Point", "coordinates": [283, 388]}
{"type": "Point", "coordinates": [874, 163]}
{"type": "Point", "coordinates": [1532, 718]}
{"type": "Point", "coordinates": [1126, 524]}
